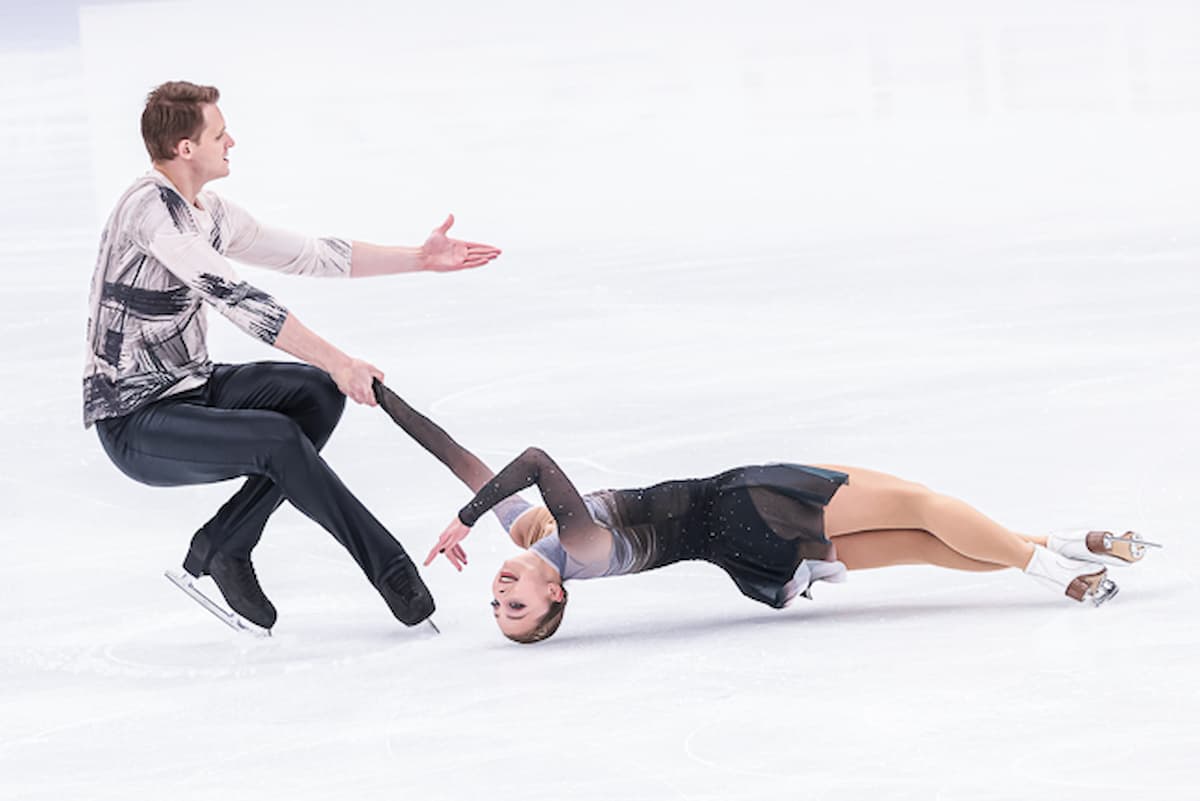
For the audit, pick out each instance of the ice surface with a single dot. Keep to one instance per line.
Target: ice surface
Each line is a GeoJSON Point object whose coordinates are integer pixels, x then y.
{"type": "Point", "coordinates": [954, 241]}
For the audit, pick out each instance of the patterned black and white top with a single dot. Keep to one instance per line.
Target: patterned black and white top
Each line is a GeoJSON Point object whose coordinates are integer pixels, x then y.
{"type": "Point", "coordinates": [161, 261]}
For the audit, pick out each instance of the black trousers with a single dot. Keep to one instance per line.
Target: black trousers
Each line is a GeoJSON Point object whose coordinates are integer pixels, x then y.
{"type": "Point", "coordinates": [267, 421]}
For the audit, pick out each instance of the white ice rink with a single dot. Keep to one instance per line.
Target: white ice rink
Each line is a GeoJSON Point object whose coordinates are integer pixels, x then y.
{"type": "Point", "coordinates": [956, 241]}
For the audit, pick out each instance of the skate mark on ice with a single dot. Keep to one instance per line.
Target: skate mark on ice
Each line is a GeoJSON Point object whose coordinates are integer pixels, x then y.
{"type": "Point", "coordinates": [204, 649]}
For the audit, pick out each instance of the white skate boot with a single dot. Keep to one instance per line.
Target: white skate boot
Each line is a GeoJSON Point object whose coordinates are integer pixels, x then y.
{"type": "Point", "coordinates": [1103, 547]}
{"type": "Point", "coordinates": [810, 572]}
{"type": "Point", "coordinates": [1075, 578]}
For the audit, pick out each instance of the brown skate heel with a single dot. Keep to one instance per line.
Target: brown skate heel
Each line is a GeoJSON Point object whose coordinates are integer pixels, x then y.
{"type": "Point", "coordinates": [1094, 587]}
{"type": "Point", "coordinates": [1129, 547]}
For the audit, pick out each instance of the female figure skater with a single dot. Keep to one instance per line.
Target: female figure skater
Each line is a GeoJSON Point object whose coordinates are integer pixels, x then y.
{"type": "Point", "coordinates": [767, 526]}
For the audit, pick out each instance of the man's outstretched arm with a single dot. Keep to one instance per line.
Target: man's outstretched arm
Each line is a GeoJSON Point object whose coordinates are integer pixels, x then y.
{"type": "Point", "coordinates": [439, 254]}
{"type": "Point", "coordinates": [287, 252]}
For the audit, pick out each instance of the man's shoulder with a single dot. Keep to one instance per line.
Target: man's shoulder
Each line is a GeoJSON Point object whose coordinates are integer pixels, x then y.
{"type": "Point", "coordinates": [145, 190]}
{"type": "Point", "coordinates": [150, 204]}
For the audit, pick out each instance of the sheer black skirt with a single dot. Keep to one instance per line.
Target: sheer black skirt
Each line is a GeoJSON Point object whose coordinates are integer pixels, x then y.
{"type": "Point", "coordinates": [757, 523]}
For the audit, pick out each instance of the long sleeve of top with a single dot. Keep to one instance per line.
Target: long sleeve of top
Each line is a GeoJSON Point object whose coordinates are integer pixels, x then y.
{"type": "Point", "coordinates": [466, 466]}
{"type": "Point", "coordinates": [581, 536]}
{"type": "Point", "coordinates": [162, 262]}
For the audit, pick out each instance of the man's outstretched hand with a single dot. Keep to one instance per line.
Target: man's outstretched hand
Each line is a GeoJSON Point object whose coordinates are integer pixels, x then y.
{"type": "Point", "coordinates": [441, 254]}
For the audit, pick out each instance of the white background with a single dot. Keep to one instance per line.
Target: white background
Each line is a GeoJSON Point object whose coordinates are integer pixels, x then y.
{"type": "Point", "coordinates": [954, 241]}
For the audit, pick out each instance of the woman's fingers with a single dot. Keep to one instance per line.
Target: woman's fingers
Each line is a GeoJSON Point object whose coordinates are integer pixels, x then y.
{"type": "Point", "coordinates": [440, 547]}
{"type": "Point", "coordinates": [448, 545]}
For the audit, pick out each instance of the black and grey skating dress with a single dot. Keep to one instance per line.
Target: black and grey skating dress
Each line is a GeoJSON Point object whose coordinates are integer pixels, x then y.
{"type": "Point", "coordinates": [757, 523]}
{"type": "Point", "coordinates": [762, 524]}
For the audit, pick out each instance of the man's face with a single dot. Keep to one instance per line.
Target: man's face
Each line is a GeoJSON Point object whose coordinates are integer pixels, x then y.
{"type": "Point", "coordinates": [209, 155]}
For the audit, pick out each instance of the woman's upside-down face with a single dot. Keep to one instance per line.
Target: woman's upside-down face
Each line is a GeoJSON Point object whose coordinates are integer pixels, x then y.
{"type": "Point", "coordinates": [522, 592]}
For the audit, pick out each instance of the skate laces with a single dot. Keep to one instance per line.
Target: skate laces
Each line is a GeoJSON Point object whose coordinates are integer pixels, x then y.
{"type": "Point", "coordinates": [400, 581]}
{"type": "Point", "coordinates": [239, 573]}
{"type": "Point", "coordinates": [244, 573]}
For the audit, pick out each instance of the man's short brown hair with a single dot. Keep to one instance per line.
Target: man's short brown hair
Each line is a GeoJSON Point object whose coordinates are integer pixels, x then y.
{"type": "Point", "coordinates": [174, 111]}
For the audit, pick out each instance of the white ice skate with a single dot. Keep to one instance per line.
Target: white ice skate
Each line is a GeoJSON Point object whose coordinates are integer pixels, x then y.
{"type": "Point", "coordinates": [810, 572]}
{"type": "Point", "coordinates": [1077, 579]}
{"type": "Point", "coordinates": [185, 582]}
{"type": "Point", "coordinates": [1103, 547]}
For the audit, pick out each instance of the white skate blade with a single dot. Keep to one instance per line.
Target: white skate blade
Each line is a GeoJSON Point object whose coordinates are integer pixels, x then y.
{"type": "Point", "coordinates": [185, 582]}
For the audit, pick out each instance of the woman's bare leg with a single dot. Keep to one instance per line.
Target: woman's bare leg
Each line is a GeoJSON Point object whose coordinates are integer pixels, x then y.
{"type": "Point", "coordinates": [884, 548]}
{"type": "Point", "coordinates": [874, 501]}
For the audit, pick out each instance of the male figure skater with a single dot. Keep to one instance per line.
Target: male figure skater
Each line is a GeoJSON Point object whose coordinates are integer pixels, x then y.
{"type": "Point", "coordinates": [167, 415]}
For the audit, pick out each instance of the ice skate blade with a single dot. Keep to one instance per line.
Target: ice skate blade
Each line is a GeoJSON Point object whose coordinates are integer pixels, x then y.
{"type": "Point", "coordinates": [230, 618]}
{"type": "Point", "coordinates": [430, 624]}
{"type": "Point", "coordinates": [1095, 587]}
{"type": "Point", "coordinates": [1107, 590]}
{"type": "Point", "coordinates": [1129, 547]}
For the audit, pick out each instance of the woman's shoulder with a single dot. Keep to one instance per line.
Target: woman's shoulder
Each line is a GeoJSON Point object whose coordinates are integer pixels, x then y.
{"type": "Point", "coordinates": [534, 524]}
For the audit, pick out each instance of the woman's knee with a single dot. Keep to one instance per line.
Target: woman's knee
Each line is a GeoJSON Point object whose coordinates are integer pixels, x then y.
{"type": "Point", "coordinates": [915, 503]}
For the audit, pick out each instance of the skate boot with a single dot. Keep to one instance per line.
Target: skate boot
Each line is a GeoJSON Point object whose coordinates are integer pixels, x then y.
{"type": "Point", "coordinates": [406, 594]}
{"type": "Point", "coordinates": [1077, 579]}
{"type": "Point", "coordinates": [809, 573]}
{"type": "Point", "coordinates": [1100, 546]}
{"type": "Point", "coordinates": [234, 577]}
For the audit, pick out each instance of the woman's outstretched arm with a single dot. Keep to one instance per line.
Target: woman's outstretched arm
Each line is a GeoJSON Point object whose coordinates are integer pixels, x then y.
{"type": "Point", "coordinates": [581, 537]}
{"type": "Point", "coordinates": [576, 530]}
{"type": "Point", "coordinates": [468, 467]}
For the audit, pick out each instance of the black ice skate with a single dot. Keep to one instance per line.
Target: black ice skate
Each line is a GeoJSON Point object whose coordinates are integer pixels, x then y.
{"type": "Point", "coordinates": [235, 578]}
{"type": "Point", "coordinates": [186, 582]}
{"type": "Point", "coordinates": [406, 594]}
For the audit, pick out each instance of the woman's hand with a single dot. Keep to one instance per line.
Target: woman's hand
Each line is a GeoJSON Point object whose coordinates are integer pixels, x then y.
{"type": "Point", "coordinates": [448, 544]}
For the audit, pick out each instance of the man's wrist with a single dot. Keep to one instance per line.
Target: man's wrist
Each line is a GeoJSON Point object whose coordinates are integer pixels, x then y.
{"type": "Point", "coordinates": [422, 259]}
{"type": "Point", "coordinates": [336, 363]}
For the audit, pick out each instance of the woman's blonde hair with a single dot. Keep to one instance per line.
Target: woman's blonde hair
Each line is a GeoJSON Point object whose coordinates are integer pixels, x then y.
{"type": "Point", "coordinates": [545, 627]}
